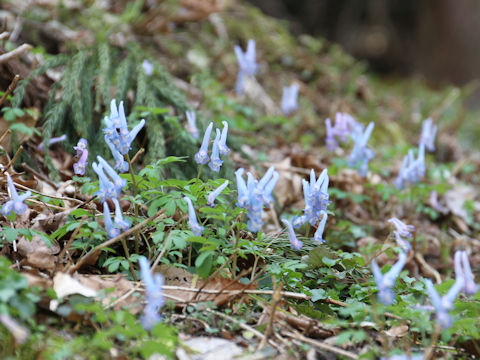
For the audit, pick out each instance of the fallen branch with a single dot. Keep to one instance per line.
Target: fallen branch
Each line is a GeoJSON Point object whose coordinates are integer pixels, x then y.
{"type": "Point", "coordinates": [14, 53]}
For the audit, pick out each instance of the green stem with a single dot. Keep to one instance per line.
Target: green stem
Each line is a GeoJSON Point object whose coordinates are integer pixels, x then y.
{"type": "Point", "coordinates": [199, 172]}
{"type": "Point", "coordinates": [135, 191]}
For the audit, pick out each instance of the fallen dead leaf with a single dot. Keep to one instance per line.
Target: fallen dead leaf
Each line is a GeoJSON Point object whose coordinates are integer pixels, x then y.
{"type": "Point", "coordinates": [397, 331]}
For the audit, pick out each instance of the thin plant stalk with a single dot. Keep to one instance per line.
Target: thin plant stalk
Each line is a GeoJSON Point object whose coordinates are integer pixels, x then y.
{"type": "Point", "coordinates": [135, 190]}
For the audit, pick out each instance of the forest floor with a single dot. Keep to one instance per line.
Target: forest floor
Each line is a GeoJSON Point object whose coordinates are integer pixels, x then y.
{"type": "Point", "coordinates": [70, 282]}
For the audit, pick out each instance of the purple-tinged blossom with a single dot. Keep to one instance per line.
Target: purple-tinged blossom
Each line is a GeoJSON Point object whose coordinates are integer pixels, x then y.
{"type": "Point", "coordinates": [53, 140]}
{"type": "Point", "coordinates": [147, 67]}
{"type": "Point", "coordinates": [246, 63]}
{"type": "Point", "coordinates": [112, 230]}
{"type": "Point", "coordinates": [222, 144]}
{"type": "Point", "coordinates": [80, 166]}
{"type": "Point", "coordinates": [106, 187]}
{"type": "Point", "coordinates": [81, 146]}
{"type": "Point", "coordinates": [191, 125]}
{"type": "Point", "coordinates": [201, 157]}
{"type": "Point", "coordinates": [116, 130]}
{"type": "Point", "coordinates": [403, 229]}
{"type": "Point", "coordinates": [192, 219]}
{"type": "Point", "coordinates": [386, 281]}
{"type": "Point", "coordinates": [318, 236]}
{"type": "Point", "coordinates": [153, 294]}
{"type": "Point", "coordinates": [429, 131]}
{"type": "Point", "coordinates": [215, 161]}
{"type": "Point", "coordinates": [123, 224]}
{"type": "Point", "coordinates": [296, 244]}
{"type": "Point", "coordinates": [345, 124]}
{"type": "Point", "coordinates": [15, 205]}
{"type": "Point", "coordinates": [361, 154]}
{"type": "Point", "coordinates": [444, 304]}
{"type": "Point", "coordinates": [120, 164]}
{"type": "Point", "coordinates": [402, 243]}
{"type": "Point", "coordinates": [330, 140]}
{"type": "Point", "coordinates": [213, 195]}
{"type": "Point", "coordinates": [118, 182]}
{"type": "Point", "coordinates": [412, 169]}
{"type": "Point", "coordinates": [463, 269]}
{"type": "Point", "coordinates": [289, 99]}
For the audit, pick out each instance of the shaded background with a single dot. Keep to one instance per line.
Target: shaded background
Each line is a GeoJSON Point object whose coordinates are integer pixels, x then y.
{"type": "Point", "coordinates": [438, 39]}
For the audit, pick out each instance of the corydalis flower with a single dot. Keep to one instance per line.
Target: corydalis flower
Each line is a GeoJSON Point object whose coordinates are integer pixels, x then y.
{"type": "Point", "coordinates": [463, 270]}
{"type": "Point", "coordinates": [215, 161]}
{"type": "Point", "coordinates": [109, 189]}
{"type": "Point", "coordinates": [254, 194]}
{"type": "Point", "coordinates": [361, 154]}
{"type": "Point", "coordinates": [296, 244]}
{"type": "Point", "coordinates": [116, 130]}
{"type": "Point", "coordinates": [213, 195]}
{"type": "Point", "coordinates": [15, 205]}
{"type": "Point", "coordinates": [246, 63]}
{"type": "Point", "coordinates": [82, 153]}
{"type": "Point", "coordinates": [192, 218]}
{"type": "Point", "coordinates": [386, 281]}
{"type": "Point", "coordinates": [153, 294]}
{"type": "Point", "coordinates": [412, 169]}
{"type": "Point", "coordinates": [444, 304]}
{"type": "Point", "coordinates": [147, 67]}
{"type": "Point", "coordinates": [435, 204]}
{"type": "Point", "coordinates": [123, 224]}
{"type": "Point", "coordinates": [222, 144]}
{"type": "Point", "coordinates": [191, 126]}
{"type": "Point", "coordinates": [344, 125]}
{"type": "Point", "coordinates": [401, 231]}
{"type": "Point", "coordinates": [52, 141]}
{"type": "Point", "coordinates": [201, 157]}
{"type": "Point", "coordinates": [429, 131]}
{"type": "Point", "coordinates": [112, 231]}
{"type": "Point", "coordinates": [120, 163]}
{"type": "Point", "coordinates": [289, 99]}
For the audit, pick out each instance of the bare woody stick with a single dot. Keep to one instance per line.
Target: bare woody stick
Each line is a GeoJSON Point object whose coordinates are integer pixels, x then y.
{"type": "Point", "coordinates": [10, 88]}
{"type": "Point", "coordinates": [14, 53]}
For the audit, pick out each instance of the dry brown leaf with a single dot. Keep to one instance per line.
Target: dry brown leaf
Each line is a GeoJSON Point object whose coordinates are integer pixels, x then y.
{"type": "Point", "coordinates": [181, 278]}
{"type": "Point", "coordinates": [397, 331]}
{"type": "Point", "coordinates": [64, 285]}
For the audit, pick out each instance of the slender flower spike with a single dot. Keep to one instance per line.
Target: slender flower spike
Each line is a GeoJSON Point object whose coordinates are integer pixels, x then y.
{"type": "Point", "coordinates": [222, 144]}
{"type": "Point", "coordinates": [403, 229]}
{"type": "Point", "coordinates": [296, 244]}
{"type": "Point", "coordinates": [289, 99]}
{"type": "Point", "coordinates": [192, 218]}
{"type": "Point", "coordinates": [120, 164]}
{"type": "Point", "coordinates": [52, 141]}
{"type": "Point", "coordinates": [191, 126]}
{"type": "Point", "coordinates": [463, 269]}
{"type": "Point", "coordinates": [318, 236]}
{"type": "Point", "coordinates": [201, 157]}
{"type": "Point", "coordinates": [345, 124]}
{"type": "Point", "coordinates": [443, 305]}
{"type": "Point", "coordinates": [153, 294]}
{"type": "Point", "coordinates": [116, 130]}
{"type": "Point", "coordinates": [215, 161]}
{"type": "Point", "coordinates": [412, 169]}
{"type": "Point", "coordinates": [213, 195]}
{"type": "Point", "coordinates": [124, 225]}
{"type": "Point", "coordinates": [361, 154]}
{"type": "Point", "coordinates": [15, 205]}
{"type": "Point", "coordinates": [386, 281]}
{"type": "Point", "coordinates": [82, 153]}
{"type": "Point", "coordinates": [247, 64]}
{"type": "Point", "coordinates": [107, 188]}
{"type": "Point", "coordinates": [112, 231]}
{"type": "Point", "coordinates": [242, 197]}
{"type": "Point", "coordinates": [429, 131]}
{"type": "Point", "coordinates": [118, 182]}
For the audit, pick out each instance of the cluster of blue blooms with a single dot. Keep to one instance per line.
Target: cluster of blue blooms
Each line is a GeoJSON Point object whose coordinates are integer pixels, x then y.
{"type": "Point", "coordinates": [343, 128]}
{"type": "Point", "coordinates": [219, 147]}
{"type": "Point", "coordinates": [253, 195]}
{"type": "Point", "coordinates": [153, 294]}
{"type": "Point", "coordinates": [15, 205]}
{"type": "Point", "coordinates": [412, 169]}
{"type": "Point", "coordinates": [247, 65]}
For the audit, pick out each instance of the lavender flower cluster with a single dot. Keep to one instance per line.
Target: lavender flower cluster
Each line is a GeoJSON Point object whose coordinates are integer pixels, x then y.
{"type": "Point", "coordinates": [343, 128]}
{"type": "Point", "coordinates": [153, 291]}
{"type": "Point", "coordinates": [219, 147]}
{"type": "Point", "coordinates": [15, 205]}
{"type": "Point", "coordinates": [253, 195]}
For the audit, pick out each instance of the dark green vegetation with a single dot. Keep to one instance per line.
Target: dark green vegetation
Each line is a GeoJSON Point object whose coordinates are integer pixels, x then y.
{"type": "Point", "coordinates": [195, 67]}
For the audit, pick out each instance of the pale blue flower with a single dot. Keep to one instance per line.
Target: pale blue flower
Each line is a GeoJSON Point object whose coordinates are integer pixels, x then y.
{"type": "Point", "coordinates": [118, 182]}
{"type": "Point", "coordinates": [213, 195]}
{"type": "Point", "coordinates": [191, 126]}
{"type": "Point", "coordinates": [215, 161]}
{"type": "Point", "coordinates": [296, 244]}
{"type": "Point", "coordinates": [246, 63]}
{"type": "Point", "coordinates": [361, 154]}
{"type": "Point", "coordinates": [463, 270]}
{"type": "Point", "coordinates": [106, 187]}
{"type": "Point", "coordinates": [412, 169]}
{"type": "Point", "coordinates": [120, 164]}
{"type": "Point", "coordinates": [242, 191]}
{"type": "Point", "coordinates": [318, 236]}
{"type": "Point", "coordinates": [196, 228]}
{"type": "Point", "coordinates": [147, 67]}
{"type": "Point", "coordinates": [15, 205]}
{"type": "Point", "coordinates": [386, 281]}
{"type": "Point", "coordinates": [444, 304]}
{"type": "Point", "coordinates": [429, 131]}
{"type": "Point", "coordinates": [123, 224]}
{"type": "Point", "coordinates": [201, 157]}
{"type": "Point", "coordinates": [82, 152]}
{"type": "Point", "coordinates": [53, 140]}
{"type": "Point", "coordinates": [344, 127]}
{"type": "Point", "coordinates": [153, 295]}
{"type": "Point", "coordinates": [222, 144]}
{"type": "Point", "coordinates": [112, 230]}
{"type": "Point", "coordinates": [289, 99]}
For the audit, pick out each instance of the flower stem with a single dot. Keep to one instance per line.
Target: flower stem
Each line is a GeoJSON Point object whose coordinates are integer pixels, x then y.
{"type": "Point", "coordinates": [135, 191]}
